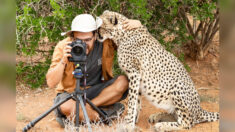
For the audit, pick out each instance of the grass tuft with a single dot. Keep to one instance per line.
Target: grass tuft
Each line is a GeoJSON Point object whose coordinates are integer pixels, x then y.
{"type": "Point", "coordinates": [117, 125]}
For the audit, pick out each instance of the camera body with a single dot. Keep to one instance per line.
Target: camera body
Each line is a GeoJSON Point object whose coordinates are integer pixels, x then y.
{"type": "Point", "coordinates": [78, 51]}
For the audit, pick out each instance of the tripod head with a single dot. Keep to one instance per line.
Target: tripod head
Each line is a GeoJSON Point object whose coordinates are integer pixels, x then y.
{"type": "Point", "coordinates": [77, 73]}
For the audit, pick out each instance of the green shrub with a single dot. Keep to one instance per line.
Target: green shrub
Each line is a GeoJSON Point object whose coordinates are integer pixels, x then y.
{"type": "Point", "coordinates": [168, 21]}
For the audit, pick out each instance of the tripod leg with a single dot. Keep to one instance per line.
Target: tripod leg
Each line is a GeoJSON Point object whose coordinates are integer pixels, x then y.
{"type": "Point", "coordinates": [102, 114]}
{"type": "Point", "coordinates": [32, 123]}
{"type": "Point", "coordinates": [85, 113]}
{"type": "Point", "coordinates": [77, 113]}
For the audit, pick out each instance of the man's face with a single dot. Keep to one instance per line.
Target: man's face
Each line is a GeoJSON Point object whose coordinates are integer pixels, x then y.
{"type": "Point", "coordinates": [88, 37]}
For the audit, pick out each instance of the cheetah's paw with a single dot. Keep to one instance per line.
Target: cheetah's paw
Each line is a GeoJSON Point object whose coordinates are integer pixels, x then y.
{"type": "Point", "coordinates": [161, 117]}
{"type": "Point", "coordinates": [158, 128]}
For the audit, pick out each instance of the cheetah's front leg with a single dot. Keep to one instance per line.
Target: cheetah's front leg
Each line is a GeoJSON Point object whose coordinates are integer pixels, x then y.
{"type": "Point", "coordinates": [138, 107]}
{"type": "Point", "coordinates": [134, 87]}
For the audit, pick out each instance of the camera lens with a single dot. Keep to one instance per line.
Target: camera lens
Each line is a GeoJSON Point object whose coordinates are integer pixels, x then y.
{"type": "Point", "coordinates": [77, 50]}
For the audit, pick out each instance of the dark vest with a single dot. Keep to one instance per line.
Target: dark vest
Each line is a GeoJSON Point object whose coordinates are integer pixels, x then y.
{"type": "Point", "coordinates": [94, 65]}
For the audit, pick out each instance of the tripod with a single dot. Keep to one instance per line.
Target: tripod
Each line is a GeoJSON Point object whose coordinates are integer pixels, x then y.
{"type": "Point", "coordinates": [80, 97]}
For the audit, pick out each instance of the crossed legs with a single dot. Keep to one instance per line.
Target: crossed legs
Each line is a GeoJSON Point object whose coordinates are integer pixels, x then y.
{"type": "Point", "coordinates": [109, 95]}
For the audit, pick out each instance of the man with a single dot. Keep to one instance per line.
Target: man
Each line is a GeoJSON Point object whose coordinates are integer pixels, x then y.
{"type": "Point", "coordinates": [101, 93]}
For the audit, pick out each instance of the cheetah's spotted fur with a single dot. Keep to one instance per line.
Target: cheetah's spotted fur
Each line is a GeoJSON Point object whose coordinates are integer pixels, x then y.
{"type": "Point", "coordinates": [155, 73]}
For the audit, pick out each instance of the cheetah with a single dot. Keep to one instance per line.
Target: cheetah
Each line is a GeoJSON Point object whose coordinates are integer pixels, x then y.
{"type": "Point", "coordinates": [155, 73]}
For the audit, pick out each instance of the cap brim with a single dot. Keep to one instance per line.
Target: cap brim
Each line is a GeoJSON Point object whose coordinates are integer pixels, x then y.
{"type": "Point", "coordinates": [66, 33]}
{"type": "Point", "coordinates": [99, 22]}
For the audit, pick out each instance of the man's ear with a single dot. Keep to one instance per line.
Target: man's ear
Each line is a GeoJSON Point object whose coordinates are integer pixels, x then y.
{"type": "Point", "coordinates": [96, 34]}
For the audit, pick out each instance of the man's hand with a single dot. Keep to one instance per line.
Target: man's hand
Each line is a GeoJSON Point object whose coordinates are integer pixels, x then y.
{"type": "Point", "coordinates": [66, 53]}
{"type": "Point", "coordinates": [131, 24]}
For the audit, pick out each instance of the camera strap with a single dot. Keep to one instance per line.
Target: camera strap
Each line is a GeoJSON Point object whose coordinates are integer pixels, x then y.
{"type": "Point", "coordinates": [84, 83]}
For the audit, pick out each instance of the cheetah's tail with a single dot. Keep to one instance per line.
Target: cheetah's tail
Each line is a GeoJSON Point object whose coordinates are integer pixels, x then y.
{"type": "Point", "coordinates": [206, 116]}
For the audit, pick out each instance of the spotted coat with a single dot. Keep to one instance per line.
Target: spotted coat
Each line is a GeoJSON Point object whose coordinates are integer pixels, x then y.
{"type": "Point", "coordinates": [155, 73]}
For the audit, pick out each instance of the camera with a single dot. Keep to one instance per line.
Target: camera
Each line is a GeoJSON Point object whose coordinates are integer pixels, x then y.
{"type": "Point", "coordinates": [78, 51]}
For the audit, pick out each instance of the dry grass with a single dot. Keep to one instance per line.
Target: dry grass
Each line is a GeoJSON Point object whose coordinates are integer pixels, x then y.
{"type": "Point", "coordinates": [116, 125]}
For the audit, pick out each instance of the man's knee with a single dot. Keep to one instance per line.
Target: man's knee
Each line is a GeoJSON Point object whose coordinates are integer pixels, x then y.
{"type": "Point", "coordinates": [121, 84]}
{"type": "Point", "coordinates": [67, 108]}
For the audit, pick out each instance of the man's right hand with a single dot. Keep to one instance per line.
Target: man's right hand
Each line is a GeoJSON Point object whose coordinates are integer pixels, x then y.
{"type": "Point", "coordinates": [66, 53]}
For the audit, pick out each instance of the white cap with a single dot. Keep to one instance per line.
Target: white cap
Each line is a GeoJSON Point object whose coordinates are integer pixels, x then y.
{"type": "Point", "coordinates": [84, 23]}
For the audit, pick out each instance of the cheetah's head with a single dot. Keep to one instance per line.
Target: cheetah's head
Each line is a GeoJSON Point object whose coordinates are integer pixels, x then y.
{"type": "Point", "coordinates": [112, 25]}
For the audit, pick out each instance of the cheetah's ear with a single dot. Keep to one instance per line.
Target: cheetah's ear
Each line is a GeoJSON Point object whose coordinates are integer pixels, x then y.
{"type": "Point", "coordinates": [116, 21]}
{"type": "Point", "coordinates": [113, 21]}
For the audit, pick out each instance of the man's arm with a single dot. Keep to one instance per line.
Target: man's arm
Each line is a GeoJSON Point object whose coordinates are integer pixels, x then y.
{"type": "Point", "coordinates": [59, 61]}
{"type": "Point", "coordinates": [55, 75]}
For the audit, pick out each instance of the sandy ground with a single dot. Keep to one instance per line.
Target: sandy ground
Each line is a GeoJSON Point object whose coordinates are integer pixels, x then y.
{"type": "Point", "coordinates": [205, 74]}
